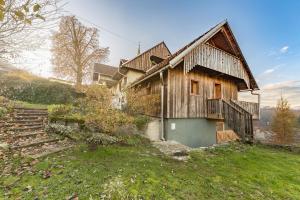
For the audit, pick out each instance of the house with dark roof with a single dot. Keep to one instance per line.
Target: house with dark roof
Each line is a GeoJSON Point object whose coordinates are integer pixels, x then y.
{"type": "Point", "coordinates": [198, 88]}
{"type": "Point", "coordinates": [103, 74]}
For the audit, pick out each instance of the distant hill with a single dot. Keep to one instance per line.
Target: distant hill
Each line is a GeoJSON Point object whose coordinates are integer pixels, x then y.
{"type": "Point", "coordinates": [266, 114]}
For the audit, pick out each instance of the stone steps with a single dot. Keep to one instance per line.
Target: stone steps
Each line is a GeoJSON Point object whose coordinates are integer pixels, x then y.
{"type": "Point", "coordinates": [31, 110]}
{"type": "Point", "coordinates": [31, 128]}
{"type": "Point", "coordinates": [27, 135]}
{"type": "Point", "coordinates": [21, 141]}
{"type": "Point", "coordinates": [36, 143]}
{"type": "Point", "coordinates": [27, 121]}
{"type": "Point", "coordinates": [17, 118]}
{"type": "Point", "coordinates": [24, 132]}
{"type": "Point", "coordinates": [31, 114]}
{"type": "Point", "coordinates": [15, 136]}
{"type": "Point", "coordinates": [28, 124]}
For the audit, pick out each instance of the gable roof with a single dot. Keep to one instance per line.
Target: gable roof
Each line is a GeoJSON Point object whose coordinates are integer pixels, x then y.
{"type": "Point", "coordinates": [105, 69]}
{"type": "Point", "coordinates": [177, 57]}
{"type": "Point", "coordinates": [129, 63]}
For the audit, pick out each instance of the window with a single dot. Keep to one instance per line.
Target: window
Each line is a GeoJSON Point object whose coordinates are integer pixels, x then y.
{"type": "Point", "coordinates": [95, 77]}
{"type": "Point", "coordinates": [194, 87]}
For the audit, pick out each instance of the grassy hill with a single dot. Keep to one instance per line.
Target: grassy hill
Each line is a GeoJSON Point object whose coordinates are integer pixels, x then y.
{"type": "Point", "coordinates": [23, 86]}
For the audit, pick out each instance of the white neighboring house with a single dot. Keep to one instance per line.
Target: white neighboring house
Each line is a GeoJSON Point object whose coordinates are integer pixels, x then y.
{"type": "Point", "coordinates": [119, 78]}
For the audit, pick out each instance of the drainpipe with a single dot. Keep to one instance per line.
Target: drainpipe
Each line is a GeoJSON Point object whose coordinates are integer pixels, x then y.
{"type": "Point", "coordinates": [258, 97]}
{"type": "Point", "coordinates": [162, 105]}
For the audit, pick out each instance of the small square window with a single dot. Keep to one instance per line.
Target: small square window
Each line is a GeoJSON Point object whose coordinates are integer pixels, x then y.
{"type": "Point", "coordinates": [194, 87]}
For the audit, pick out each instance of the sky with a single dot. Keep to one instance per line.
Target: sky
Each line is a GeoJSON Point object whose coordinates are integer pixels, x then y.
{"type": "Point", "coordinates": [267, 31]}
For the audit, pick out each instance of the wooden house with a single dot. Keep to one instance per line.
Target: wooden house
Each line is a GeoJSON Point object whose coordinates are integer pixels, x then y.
{"type": "Point", "coordinates": [103, 74]}
{"type": "Point", "coordinates": [198, 87]}
{"type": "Point", "coordinates": [131, 70]}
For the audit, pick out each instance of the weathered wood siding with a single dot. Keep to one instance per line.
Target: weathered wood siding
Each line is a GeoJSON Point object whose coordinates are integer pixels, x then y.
{"type": "Point", "coordinates": [251, 107]}
{"type": "Point", "coordinates": [151, 90]}
{"type": "Point", "coordinates": [142, 62]}
{"type": "Point", "coordinates": [213, 58]}
{"type": "Point", "coordinates": [182, 104]}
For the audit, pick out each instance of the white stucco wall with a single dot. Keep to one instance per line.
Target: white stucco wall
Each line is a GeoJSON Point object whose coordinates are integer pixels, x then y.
{"type": "Point", "coordinates": [118, 95]}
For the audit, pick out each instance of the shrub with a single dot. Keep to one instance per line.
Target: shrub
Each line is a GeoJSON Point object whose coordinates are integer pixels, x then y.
{"type": "Point", "coordinates": [141, 121]}
{"type": "Point", "coordinates": [106, 120]}
{"type": "Point", "coordinates": [139, 103]}
{"type": "Point", "coordinates": [124, 130]}
{"type": "Point", "coordinates": [97, 139]}
{"type": "Point", "coordinates": [3, 112]}
{"type": "Point", "coordinates": [59, 129]}
{"type": "Point", "coordinates": [59, 110]}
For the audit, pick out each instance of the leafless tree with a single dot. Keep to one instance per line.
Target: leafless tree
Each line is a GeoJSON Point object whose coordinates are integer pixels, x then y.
{"type": "Point", "coordinates": [24, 22]}
{"type": "Point", "coordinates": [76, 49]}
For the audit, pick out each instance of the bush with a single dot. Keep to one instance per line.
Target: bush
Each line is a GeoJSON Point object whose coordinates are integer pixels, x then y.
{"type": "Point", "coordinates": [3, 112]}
{"type": "Point", "coordinates": [141, 121]}
{"type": "Point", "coordinates": [139, 103]}
{"type": "Point", "coordinates": [59, 110]}
{"type": "Point", "coordinates": [124, 130]}
{"type": "Point", "coordinates": [59, 129]}
{"type": "Point", "coordinates": [26, 87]}
{"type": "Point", "coordinates": [97, 139]}
{"type": "Point", "coordinates": [106, 120]}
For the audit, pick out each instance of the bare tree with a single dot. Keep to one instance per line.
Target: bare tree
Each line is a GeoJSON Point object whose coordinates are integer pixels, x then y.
{"type": "Point", "coordinates": [76, 49]}
{"type": "Point", "coordinates": [22, 23]}
{"type": "Point", "coordinates": [283, 122]}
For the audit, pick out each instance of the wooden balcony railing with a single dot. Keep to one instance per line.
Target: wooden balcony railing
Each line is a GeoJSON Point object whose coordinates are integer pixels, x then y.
{"type": "Point", "coordinates": [251, 107]}
{"type": "Point", "coordinates": [236, 118]}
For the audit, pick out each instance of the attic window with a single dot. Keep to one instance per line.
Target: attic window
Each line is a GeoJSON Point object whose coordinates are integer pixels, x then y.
{"type": "Point", "coordinates": [194, 87]}
{"type": "Point", "coordinates": [155, 60]}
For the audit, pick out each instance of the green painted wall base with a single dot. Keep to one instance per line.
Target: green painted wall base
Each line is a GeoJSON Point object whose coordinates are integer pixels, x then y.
{"type": "Point", "coordinates": [191, 132]}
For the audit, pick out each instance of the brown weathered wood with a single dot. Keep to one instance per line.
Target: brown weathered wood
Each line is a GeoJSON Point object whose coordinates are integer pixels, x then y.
{"type": "Point", "coordinates": [143, 62]}
{"type": "Point", "coordinates": [183, 104]}
{"type": "Point", "coordinates": [216, 59]}
{"type": "Point", "coordinates": [251, 107]}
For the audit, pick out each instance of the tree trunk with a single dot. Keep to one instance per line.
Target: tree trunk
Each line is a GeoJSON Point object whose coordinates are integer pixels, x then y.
{"type": "Point", "coordinates": [79, 78]}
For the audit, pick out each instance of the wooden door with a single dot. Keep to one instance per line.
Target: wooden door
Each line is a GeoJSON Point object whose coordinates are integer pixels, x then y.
{"type": "Point", "coordinates": [218, 91]}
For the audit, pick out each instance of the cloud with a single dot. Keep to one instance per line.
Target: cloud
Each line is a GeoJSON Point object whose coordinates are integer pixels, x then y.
{"type": "Point", "coordinates": [284, 49]}
{"type": "Point", "coordinates": [271, 93]}
{"type": "Point", "coordinates": [278, 52]}
{"type": "Point", "coordinates": [269, 71]}
{"type": "Point", "coordinates": [282, 85]}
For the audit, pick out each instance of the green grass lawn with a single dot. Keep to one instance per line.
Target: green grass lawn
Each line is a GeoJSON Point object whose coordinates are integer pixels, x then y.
{"type": "Point", "coordinates": [141, 172]}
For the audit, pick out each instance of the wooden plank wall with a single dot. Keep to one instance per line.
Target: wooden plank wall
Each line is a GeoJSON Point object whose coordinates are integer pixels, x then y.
{"type": "Point", "coordinates": [211, 57]}
{"type": "Point", "coordinates": [181, 104]}
{"type": "Point", "coordinates": [251, 107]}
{"type": "Point", "coordinates": [155, 90]}
{"type": "Point", "coordinates": [142, 62]}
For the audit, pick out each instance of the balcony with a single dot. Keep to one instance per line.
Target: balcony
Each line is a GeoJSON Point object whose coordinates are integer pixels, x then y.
{"type": "Point", "coordinates": [215, 59]}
